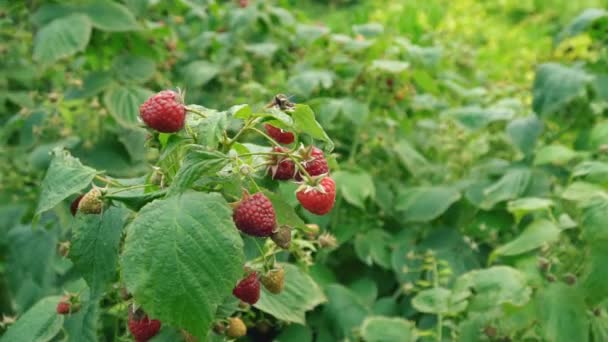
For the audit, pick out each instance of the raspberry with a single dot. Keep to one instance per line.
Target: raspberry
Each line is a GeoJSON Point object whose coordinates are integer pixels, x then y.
{"type": "Point", "coordinates": [236, 328]}
{"type": "Point", "coordinates": [164, 112]}
{"type": "Point", "coordinates": [91, 202]}
{"type": "Point", "coordinates": [318, 199]}
{"type": "Point", "coordinates": [254, 215]}
{"type": "Point", "coordinates": [142, 327]}
{"type": "Point", "coordinates": [74, 205]}
{"type": "Point", "coordinates": [282, 237]}
{"type": "Point", "coordinates": [314, 162]}
{"type": "Point", "coordinates": [248, 289]}
{"type": "Point", "coordinates": [281, 136]}
{"type": "Point", "coordinates": [281, 167]}
{"type": "Point", "coordinates": [68, 304]}
{"type": "Point", "coordinates": [274, 280]}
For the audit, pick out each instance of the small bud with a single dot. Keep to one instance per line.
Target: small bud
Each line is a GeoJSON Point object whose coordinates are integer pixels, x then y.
{"type": "Point", "coordinates": [570, 279]}
{"type": "Point", "coordinates": [597, 312]}
{"type": "Point", "coordinates": [63, 248]}
{"type": "Point", "coordinates": [407, 288]}
{"type": "Point", "coordinates": [551, 278]}
{"type": "Point", "coordinates": [543, 264]}
{"type": "Point", "coordinates": [282, 237]}
{"type": "Point", "coordinates": [219, 328]}
{"type": "Point", "coordinates": [245, 170]}
{"type": "Point", "coordinates": [327, 240]}
{"type": "Point", "coordinates": [490, 331]}
{"type": "Point", "coordinates": [312, 229]}
{"type": "Point", "coordinates": [188, 337]}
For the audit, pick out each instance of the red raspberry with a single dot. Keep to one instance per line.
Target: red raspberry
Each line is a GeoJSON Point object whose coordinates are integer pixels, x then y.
{"type": "Point", "coordinates": [314, 162]}
{"type": "Point", "coordinates": [63, 308]}
{"type": "Point", "coordinates": [281, 136]}
{"type": "Point", "coordinates": [248, 289]}
{"type": "Point", "coordinates": [143, 328]}
{"type": "Point", "coordinates": [164, 112]}
{"type": "Point", "coordinates": [68, 304]}
{"type": "Point", "coordinates": [74, 205]}
{"type": "Point", "coordinates": [254, 215]}
{"type": "Point", "coordinates": [318, 199]}
{"type": "Point", "coordinates": [282, 168]}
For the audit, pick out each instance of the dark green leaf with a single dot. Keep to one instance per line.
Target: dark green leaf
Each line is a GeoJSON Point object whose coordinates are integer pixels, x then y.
{"type": "Point", "coordinates": [123, 103]}
{"type": "Point", "coordinates": [40, 323]}
{"type": "Point", "coordinates": [110, 16]}
{"type": "Point", "coordinates": [61, 38]}
{"type": "Point", "coordinates": [423, 204]}
{"type": "Point", "coordinates": [197, 164]}
{"type": "Point", "coordinates": [556, 86]}
{"type": "Point", "coordinates": [562, 314]}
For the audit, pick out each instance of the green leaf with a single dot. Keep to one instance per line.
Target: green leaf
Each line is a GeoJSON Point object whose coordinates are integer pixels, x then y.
{"type": "Point", "coordinates": [475, 117]}
{"type": "Point", "coordinates": [524, 133]}
{"type": "Point", "coordinates": [374, 247]}
{"type": "Point", "coordinates": [388, 329]}
{"type": "Point", "coordinates": [211, 129]}
{"type": "Point", "coordinates": [306, 82]}
{"type": "Point", "coordinates": [199, 73]}
{"type": "Point", "coordinates": [285, 213]}
{"type": "Point", "coordinates": [583, 192]}
{"type": "Point", "coordinates": [537, 234]}
{"type": "Point", "coordinates": [595, 219]}
{"type": "Point", "coordinates": [434, 300]}
{"type": "Point", "coordinates": [512, 185]}
{"type": "Point", "coordinates": [93, 84]}
{"type": "Point", "coordinates": [556, 86]}
{"type": "Point", "coordinates": [295, 333]}
{"type": "Point", "coordinates": [61, 38]}
{"type": "Point", "coordinates": [123, 103]}
{"type": "Point", "coordinates": [344, 310]}
{"type": "Point", "coordinates": [593, 279]}
{"type": "Point", "coordinates": [581, 23]}
{"type": "Point", "coordinates": [369, 30]}
{"type": "Point", "coordinates": [492, 287]}
{"type": "Point", "coordinates": [591, 169]}
{"type": "Point", "coordinates": [135, 199]}
{"type": "Point", "coordinates": [415, 162]}
{"type": "Point", "coordinates": [523, 206]}
{"type": "Point", "coordinates": [65, 176]}
{"type": "Point", "coordinates": [563, 314]}
{"type": "Point", "coordinates": [131, 68]}
{"type": "Point", "coordinates": [300, 295]}
{"type": "Point", "coordinates": [598, 138]}
{"type": "Point", "coordinates": [110, 16]}
{"type": "Point", "coordinates": [423, 204]}
{"type": "Point", "coordinates": [356, 187]}
{"type": "Point", "coordinates": [39, 324]}
{"type": "Point", "coordinates": [304, 121]}
{"type": "Point", "coordinates": [95, 243]}
{"type": "Point", "coordinates": [197, 164]}
{"type": "Point", "coordinates": [390, 66]}
{"type": "Point", "coordinates": [182, 257]}
{"type": "Point", "coordinates": [554, 154]}
{"type": "Point", "coordinates": [83, 325]}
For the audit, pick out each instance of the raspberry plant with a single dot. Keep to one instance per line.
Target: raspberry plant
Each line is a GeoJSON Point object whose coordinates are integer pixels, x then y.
{"type": "Point", "coordinates": [174, 234]}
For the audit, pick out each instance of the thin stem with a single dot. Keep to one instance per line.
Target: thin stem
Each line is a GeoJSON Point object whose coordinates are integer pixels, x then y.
{"type": "Point", "coordinates": [107, 180]}
{"type": "Point", "coordinates": [439, 316]}
{"type": "Point", "coordinates": [245, 127]}
{"type": "Point", "coordinates": [128, 188]}
{"type": "Point", "coordinates": [197, 112]}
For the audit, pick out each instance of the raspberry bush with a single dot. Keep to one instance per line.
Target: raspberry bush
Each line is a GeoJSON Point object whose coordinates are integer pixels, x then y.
{"type": "Point", "coordinates": [167, 172]}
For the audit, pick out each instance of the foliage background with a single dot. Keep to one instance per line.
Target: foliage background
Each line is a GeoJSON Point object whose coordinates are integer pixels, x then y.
{"type": "Point", "coordinates": [470, 149]}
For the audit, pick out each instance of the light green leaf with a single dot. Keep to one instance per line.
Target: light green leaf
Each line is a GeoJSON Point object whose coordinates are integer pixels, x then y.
{"type": "Point", "coordinates": [182, 257]}
{"type": "Point", "coordinates": [211, 129]}
{"type": "Point", "coordinates": [512, 185]}
{"type": "Point", "coordinates": [39, 324]}
{"type": "Point", "coordinates": [131, 68]}
{"type": "Point", "coordinates": [537, 234]}
{"type": "Point", "coordinates": [123, 103]}
{"type": "Point", "coordinates": [523, 206]}
{"type": "Point", "coordinates": [556, 86]}
{"type": "Point", "coordinates": [390, 66]}
{"type": "Point", "coordinates": [423, 204]}
{"type": "Point", "coordinates": [369, 30]}
{"type": "Point", "coordinates": [300, 295]}
{"type": "Point", "coordinates": [356, 187]}
{"type": "Point", "coordinates": [95, 244]}
{"type": "Point", "coordinates": [593, 279]}
{"type": "Point", "coordinates": [197, 164]}
{"type": "Point", "coordinates": [492, 287]}
{"type": "Point", "coordinates": [65, 176]}
{"type": "Point", "coordinates": [388, 329]}
{"type": "Point", "coordinates": [434, 300]}
{"type": "Point", "coordinates": [554, 154]}
{"type": "Point", "coordinates": [475, 117]}
{"type": "Point", "coordinates": [304, 121]}
{"type": "Point", "coordinates": [415, 162]}
{"type": "Point", "coordinates": [199, 73]}
{"type": "Point", "coordinates": [374, 247]}
{"type": "Point", "coordinates": [295, 333]}
{"type": "Point", "coordinates": [592, 169]}
{"type": "Point", "coordinates": [598, 138]}
{"type": "Point", "coordinates": [110, 16]}
{"type": "Point", "coordinates": [306, 82]}
{"type": "Point", "coordinates": [583, 192]}
{"type": "Point", "coordinates": [595, 221]}
{"type": "Point", "coordinates": [344, 310]}
{"type": "Point", "coordinates": [563, 314]}
{"type": "Point", "coordinates": [524, 132]}
{"type": "Point", "coordinates": [61, 38]}
{"type": "Point", "coordinates": [285, 213]}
